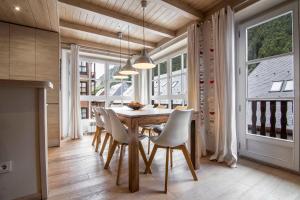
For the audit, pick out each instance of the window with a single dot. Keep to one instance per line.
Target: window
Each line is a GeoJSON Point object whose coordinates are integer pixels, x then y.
{"type": "Point", "coordinates": [83, 88]}
{"type": "Point", "coordinates": [84, 113]}
{"type": "Point", "coordinates": [83, 68]}
{"type": "Point", "coordinates": [276, 86]}
{"type": "Point", "coordinates": [289, 86]}
{"type": "Point", "coordinates": [168, 81]}
{"type": "Point", "coordinates": [97, 86]}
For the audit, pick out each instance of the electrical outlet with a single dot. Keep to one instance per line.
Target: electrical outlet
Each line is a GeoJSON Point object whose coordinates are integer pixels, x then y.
{"type": "Point", "coordinates": [5, 167]}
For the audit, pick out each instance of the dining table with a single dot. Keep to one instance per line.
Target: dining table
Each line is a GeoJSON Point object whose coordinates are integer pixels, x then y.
{"type": "Point", "coordinates": [133, 119]}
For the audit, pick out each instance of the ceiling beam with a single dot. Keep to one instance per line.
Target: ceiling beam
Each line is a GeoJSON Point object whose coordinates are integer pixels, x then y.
{"type": "Point", "coordinates": [99, 46]}
{"type": "Point", "coordinates": [236, 5]}
{"type": "Point", "coordinates": [119, 16]}
{"type": "Point", "coordinates": [184, 8]}
{"type": "Point", "coordinates": [104, 33]}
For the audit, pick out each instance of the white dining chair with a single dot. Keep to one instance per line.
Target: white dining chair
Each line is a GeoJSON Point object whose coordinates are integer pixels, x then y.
{"type": "Point", "coordinates": [174, 136]}
{"type": "Point", "coordinates": [148, 128]}
{"type": "Point", "coordinates": [99, 128]}
{"type": "Point", "coordinates": [107, 126]}
{"type": "Point", "coordinates": [120, 137]}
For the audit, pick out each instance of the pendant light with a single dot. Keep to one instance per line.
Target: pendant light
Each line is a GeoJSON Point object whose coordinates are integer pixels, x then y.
{"type": "Point", "coordinates": [117, 75]}
{"type": "Point", "coordinates": [144, 61]}
{"type": "Point", "coordinates": [128, 68]}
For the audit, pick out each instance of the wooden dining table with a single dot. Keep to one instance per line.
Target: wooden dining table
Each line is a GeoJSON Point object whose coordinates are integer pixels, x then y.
{"type": "Point", "coordinates": [133, 119]}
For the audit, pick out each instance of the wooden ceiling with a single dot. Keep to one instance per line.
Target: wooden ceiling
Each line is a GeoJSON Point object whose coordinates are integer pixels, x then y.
{"type": "Point", "coordinates": [97, 22]}
{"type": "Point", "coordinates": [41, 14]}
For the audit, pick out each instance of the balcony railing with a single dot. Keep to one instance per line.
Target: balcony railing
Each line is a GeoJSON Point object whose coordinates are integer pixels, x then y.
{"type": "Point", "coordinates": [271, 117]}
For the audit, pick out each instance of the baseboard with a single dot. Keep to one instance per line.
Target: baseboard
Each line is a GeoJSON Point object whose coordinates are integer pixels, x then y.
{"type": "Point", "coordinates": [53, 142]}
{"type": "Point", "coordinates": [36, 196]}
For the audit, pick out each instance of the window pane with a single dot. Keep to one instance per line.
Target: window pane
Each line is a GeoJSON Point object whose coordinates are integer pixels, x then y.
{"type": "Point", "coordinates": [154, 88]}
{"type": "Point", "coordinates": [128, 89]}
{"type": "Point", "coordinates": [99, 72]}
{"type": "Point", "coordinates": [184, 84]}
{"type": "Point", "coordinates": [176, 65]}
{"type": "Point", "coordinates": [271, 38]}
{"type": "Point", "coordinates": [163, 86]}
{"type": "Point", "coordinates": [112, 70]}
{"type": "Point", "coordinates": [99, 88]}
{"type": "Point", "coordinates": [184, 61]}
{"type": "Point", "coordinates": [115, 89]}
{"type": "Point", "coordinates": [176, 85]}
{"type": "Point", "coordinates": [163, 68]}
{"type": "Point", "coordinates": [84, 109]}
{"type": "Point", "coordinates": [155, 72]}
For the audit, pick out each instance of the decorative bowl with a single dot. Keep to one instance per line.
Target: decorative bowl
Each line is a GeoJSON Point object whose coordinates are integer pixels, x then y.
{"type": "Point", "coordinates": [134, 105]}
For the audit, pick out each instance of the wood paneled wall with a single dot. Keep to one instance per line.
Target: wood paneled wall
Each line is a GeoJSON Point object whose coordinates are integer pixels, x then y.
{"type": "Point", "coordinates": [33, 54]}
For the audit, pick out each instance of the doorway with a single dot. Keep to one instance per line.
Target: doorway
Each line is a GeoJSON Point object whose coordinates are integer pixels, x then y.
{"type": "Point", "coordinates": [268, 87]}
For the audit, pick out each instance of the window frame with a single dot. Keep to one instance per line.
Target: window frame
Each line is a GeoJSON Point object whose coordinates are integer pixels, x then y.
{"type": "Point", "coordinates": [169, 97]}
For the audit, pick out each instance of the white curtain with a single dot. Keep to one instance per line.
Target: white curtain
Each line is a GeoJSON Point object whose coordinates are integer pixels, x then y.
{"type": "Point", "coordinates": [74, 123]}
{"type": "Point", "coordinates": [224, 75]}
{"type": "Point", "coordinates": [193, 73]}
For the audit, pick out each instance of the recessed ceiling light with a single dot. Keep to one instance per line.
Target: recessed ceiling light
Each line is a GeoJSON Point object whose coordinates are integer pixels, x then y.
{"type": "Point", "coordinates": [17, 8]}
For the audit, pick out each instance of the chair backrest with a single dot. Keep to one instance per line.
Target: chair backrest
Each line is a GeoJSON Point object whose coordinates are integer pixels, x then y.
{"type": "Point", "coordinates": [177, 129]}
{"type": "Point", "coordinates": [99, 120]}
{"type": "Point", "coordinates": [119, 132]}
{"type": "Point", "coordinates": [181, 108]}
{"type": "Point", "coordinates": [107, 124]}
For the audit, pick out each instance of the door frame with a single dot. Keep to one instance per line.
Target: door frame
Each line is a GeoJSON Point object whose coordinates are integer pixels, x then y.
{"type": "Point", "coordinates": [242, 90]}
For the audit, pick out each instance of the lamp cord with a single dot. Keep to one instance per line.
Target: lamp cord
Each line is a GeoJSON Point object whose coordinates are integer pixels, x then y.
{"type": "Point", "coordinates": [144, 27]}
{"type": "Point", "coordinates": [128, 44]}
{"type": "Point", "coordinates": [120, 50]}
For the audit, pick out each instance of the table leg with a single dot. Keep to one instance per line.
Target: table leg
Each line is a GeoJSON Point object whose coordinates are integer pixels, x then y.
{"type": "Point", "coordinates": [193, 144]}
{"type": "Point", "coordinates": [133, 157]}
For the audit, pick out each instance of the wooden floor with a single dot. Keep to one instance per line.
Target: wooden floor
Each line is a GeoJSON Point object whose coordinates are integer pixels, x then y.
{"type": "Point", "coordinates": [76, 172]}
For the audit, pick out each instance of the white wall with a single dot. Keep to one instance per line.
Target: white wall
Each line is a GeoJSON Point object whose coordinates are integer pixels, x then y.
{"type": "Point", "coordinates": [19, 142]}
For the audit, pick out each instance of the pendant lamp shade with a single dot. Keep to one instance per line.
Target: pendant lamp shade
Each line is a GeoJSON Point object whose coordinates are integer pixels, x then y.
{"type": "Point", "coordinates": [117, 74]}
{"type": "Point", "coordinates": [128, 69]}
{"type": "Point", "coordinates": [144, 61]}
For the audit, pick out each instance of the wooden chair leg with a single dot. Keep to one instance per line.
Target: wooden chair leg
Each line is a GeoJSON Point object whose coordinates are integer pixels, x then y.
{"type": "Point", "coordinates": [110, 141]}
{"type": "Point", "coordinates": [120, 164]}
{"type": "Point", "coordinates": [110, 154]}
{"type": "Point", "coordinates": [148, 167]}
{"type": "Point", "coordinates": [149, 130]}
{"type": "Point", "coordinates": [98, 140]}
{"type": "Point", "coordinates": [189, 161]}
{"type": "Point", "coordinates": [95, 136]}
{"type": "Point", "coordinates": [104, 144]}
{"type": "Point", "coordinates": [167, 169]}
{"type": "Point", "coordinates": [141, 148]}
{"type": "Point", "coordinates": [171, 159]}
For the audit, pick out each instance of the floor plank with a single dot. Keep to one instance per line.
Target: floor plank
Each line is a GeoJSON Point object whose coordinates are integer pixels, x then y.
{"type": "Point", "coordinates": [76, 172]}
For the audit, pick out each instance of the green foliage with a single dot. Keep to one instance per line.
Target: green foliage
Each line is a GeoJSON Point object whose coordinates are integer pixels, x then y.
{"type": "Point", "coordinates": [271, 38]}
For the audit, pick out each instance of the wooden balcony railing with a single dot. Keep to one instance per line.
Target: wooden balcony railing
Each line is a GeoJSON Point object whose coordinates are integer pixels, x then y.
{"type": "Point", "coordinates": [273, 130]}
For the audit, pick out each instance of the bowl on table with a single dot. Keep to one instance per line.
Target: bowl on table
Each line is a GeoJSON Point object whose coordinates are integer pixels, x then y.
{"type": "Point", "coordinates": [135, 105]}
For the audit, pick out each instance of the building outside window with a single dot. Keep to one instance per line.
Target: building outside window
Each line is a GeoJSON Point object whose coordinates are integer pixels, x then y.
{"type": "Point", "coordinates": [168, 81]}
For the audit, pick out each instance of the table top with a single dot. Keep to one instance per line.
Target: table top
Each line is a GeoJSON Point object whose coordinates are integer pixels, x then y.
{"type": "Point", "coordinates": [127, 112]}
